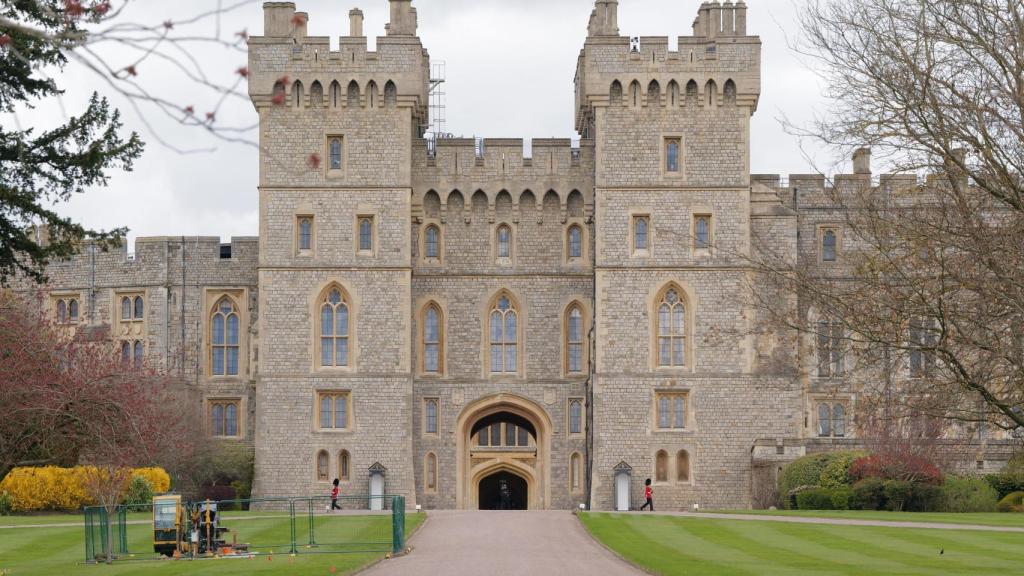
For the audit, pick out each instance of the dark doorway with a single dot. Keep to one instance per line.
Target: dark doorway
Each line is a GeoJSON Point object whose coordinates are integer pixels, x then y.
{"type": "Point", "coordinates": [514, 496]}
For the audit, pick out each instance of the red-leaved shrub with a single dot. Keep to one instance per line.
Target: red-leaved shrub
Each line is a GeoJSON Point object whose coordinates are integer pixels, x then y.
{"type": "Point", "coordinates": [907, 468]}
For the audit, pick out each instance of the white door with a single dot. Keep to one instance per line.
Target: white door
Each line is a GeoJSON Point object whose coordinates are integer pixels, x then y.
{"type": "Point", "coordinates": [622, 492]}
{"type": "Point", "coordinates": [376, 492]}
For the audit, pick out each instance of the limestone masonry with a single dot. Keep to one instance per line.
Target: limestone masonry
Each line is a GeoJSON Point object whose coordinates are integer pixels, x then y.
{"type": "Point", "coordinates": [462, 319]}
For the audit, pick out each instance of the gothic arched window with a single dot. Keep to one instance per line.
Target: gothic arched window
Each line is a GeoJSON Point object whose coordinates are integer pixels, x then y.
{"type": "Point", "coordinates": [432, 242]}
{"type": "Point", "coordinates": [365, 234]}
{"type": "Point", "coordinates": [430, 473]}
{"type": "Point", "coordinates": [334, 330]}
{"type": "Point", "coordinates": [671, 330]}
{"type": "Point", "coordinates": [504, 337]}
{"type": "Point", "coordinates": [574, 340]}
{"type": "Point", "coordinates": [682, 466]}
{"type": "Point", "coordinates": [305, 234]}
{"type": "Point", "coordinates": [139, 308]}
{"type": "Point", "coordinates": [138, 353]}
{"type": "Point", "coordinates": [224, 342]}
{"type": "Point", "coordinates": [576, 472]}
{"type": "Point", "coordinates": [335, 154]}
{"type": "Point", "coordinates": [504, 235]}
{"type": "Point", "coordinates": [661, 466]}
{"type": "Point", "coordinates": [575, 242]}
{"type": "Point", "coordinates": [321, 465]}
{"type": "Point", "coordinates": [432, 340]}
{"type": "Point", "coordinates": [344, 466]}
{"type": "Point", "coordinates": [126, 309]}
{"type": "Point", "coordinates": [829, 242]}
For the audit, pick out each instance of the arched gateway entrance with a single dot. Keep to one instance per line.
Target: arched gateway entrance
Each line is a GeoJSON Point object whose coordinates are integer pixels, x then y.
{"type": "Point", "coordinates": [503, 440]}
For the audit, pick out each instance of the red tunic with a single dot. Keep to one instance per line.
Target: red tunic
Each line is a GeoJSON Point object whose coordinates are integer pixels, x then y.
{"type": "Point", "coordinates": [647, 492]}
{"type": "Point", "coordinates": [334, 493]}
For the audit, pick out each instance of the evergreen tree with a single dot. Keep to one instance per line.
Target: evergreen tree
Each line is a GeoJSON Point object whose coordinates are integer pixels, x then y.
{"type": "Point", "coordinates": [40, 169]}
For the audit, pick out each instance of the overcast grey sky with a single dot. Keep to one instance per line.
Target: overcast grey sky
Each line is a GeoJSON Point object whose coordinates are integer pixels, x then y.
{"type": "Point", "coordinates": [516, 56]}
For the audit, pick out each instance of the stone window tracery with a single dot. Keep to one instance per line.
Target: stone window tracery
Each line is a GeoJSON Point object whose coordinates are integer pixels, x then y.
{"type": "Point", "coordinates": [225, 337]}
{"type": "Point", "coordinates": [334, 410]}
{"type": "Point", "coordinates": [504, 337]}
{"type": "Point", "coordinates": [671, 330]}
{"type": "Point", "coordinates": [831, 420]}
{"type": "Point", "coordinates": [224, 418]}
{"type": "Point", "coordinates": [334, 330]}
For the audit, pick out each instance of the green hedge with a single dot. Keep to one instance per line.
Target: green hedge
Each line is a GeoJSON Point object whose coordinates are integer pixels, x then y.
{"type": "Point", "coordinates": [968, 495]}
{"type": "Point", "coordinates": [1006, 482]}
{"type": "Point", "coordinates": [814, 499]}
{"type": "Point", "coordinates": [828, 469]}
{"type": "Point", "coordinates": [1011, 503]}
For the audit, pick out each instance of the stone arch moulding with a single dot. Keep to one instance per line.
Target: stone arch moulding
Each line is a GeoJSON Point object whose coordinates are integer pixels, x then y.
{"type": "Point", "coordinates": [468, 476]}
{"type": "Point", "coordinates": [691, 304]}
{"type": "Point", "coordinates": [350, 296]}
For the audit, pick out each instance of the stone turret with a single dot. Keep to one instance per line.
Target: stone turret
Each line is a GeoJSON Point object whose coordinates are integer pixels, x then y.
{"type": "Point", "coordinates": [604, 20]}
{"type": "Point", "coordinates": [277, 18]}
{"type": "Point", "coordinates": [355, 26]}
{"type": "Point", "coordinates": [403, 19]}
{"type": "Point", "coordinates": [717, 20]}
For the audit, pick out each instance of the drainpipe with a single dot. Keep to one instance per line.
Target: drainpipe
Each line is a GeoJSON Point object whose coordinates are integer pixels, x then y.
{"type": "Point", "coordinates": [593, 363]}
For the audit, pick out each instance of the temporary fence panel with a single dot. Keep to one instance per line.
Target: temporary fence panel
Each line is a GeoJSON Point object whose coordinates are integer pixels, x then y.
{"type": "Point", "coordinates": [260, 526]}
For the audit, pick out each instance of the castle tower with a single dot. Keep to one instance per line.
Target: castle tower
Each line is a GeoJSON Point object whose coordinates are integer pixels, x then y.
{"type": "Point", "coordinates": [336, 132]}
{"type": "Point", "coordinates": [674, 367]}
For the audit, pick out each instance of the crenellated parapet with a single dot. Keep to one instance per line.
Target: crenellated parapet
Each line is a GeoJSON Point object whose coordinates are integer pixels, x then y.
{"type": "Point", "coordinates": [718, 65]}
{"type": "Point", "coordinates": [286, 62]}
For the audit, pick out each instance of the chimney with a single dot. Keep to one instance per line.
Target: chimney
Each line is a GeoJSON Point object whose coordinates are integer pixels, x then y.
{"type": "Point", "coordinates": [277, 19]}
{"type": "Point", "coordinates": [355, 23]}
{"type": "Point", "coordinates": [403, 22]}
{"type": "Point", "coordinates": [741, 18]}
{"type": "Point", "coordinates": [299, 24]}
{"type": "Point", "coordinates": [715, 20]}
{"type": "Point", "coordinates": [727, 19]}
{"type": "Point", "coordinates": [607, 18]}
{"type": "Point", "coordinates": [862, 161]}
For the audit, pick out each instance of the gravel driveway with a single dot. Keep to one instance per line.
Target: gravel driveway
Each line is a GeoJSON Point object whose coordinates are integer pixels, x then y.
{"type": "Point", "coordinates": [460, 543]}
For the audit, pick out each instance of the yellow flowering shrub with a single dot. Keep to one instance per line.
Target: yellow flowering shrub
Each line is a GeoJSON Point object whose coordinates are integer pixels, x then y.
{"type": "Point", "coordinates": [158, 478]}
{"type": "Point", "coordinates": [55, 488]}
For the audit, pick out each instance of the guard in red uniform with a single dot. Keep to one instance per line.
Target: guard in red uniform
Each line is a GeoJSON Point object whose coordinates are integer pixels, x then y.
{"type": "Point", "coordinates": [334, 496]}
{"type": "Point", "coordinates": [648, 496]}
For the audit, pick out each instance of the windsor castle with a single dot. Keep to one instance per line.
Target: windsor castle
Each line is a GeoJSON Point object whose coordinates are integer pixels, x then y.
{"type": "Point", "coordinates": [439, 317]}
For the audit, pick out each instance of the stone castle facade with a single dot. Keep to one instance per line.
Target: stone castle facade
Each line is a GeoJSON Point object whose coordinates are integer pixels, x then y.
{"type": "Point", "coordinates": [451, 314]}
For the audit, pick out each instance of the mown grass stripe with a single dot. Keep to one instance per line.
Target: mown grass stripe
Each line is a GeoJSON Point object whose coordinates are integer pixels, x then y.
{"type": "Point", "coordinates": [711, 547]}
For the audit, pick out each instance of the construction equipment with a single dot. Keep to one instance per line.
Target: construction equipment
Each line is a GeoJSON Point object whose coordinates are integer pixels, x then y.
{"type": "Point", "coordinates": [190, 529]}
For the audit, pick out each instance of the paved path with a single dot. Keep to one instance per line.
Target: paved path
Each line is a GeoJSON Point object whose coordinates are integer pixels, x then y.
{"type": "Point", "coordinates": [833, 521]}
{"type": "Point", "coordinates": [504, 544]}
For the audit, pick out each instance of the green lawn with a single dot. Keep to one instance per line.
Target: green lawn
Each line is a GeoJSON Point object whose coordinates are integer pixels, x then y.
{"type": "Point", "coordinates": [682, 546]}
{"type": "Point", "coordinates": [979, 519]}
{"type": "Point", "coordinates": [60, 550]}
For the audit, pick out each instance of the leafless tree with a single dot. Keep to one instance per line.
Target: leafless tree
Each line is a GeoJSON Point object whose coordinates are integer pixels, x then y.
{"type": "Point", "coordinates": [135, 59]}
{"type": "Point", "coordinates": [930, 290]}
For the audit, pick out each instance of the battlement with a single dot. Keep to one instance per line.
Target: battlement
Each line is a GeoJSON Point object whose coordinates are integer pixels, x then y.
{"type": "Point", "coordinates": [718, 64]}
{"type": "Point", "coordinates": [494, 164]}
{"type": "Point", "coordinates": [286, 62]}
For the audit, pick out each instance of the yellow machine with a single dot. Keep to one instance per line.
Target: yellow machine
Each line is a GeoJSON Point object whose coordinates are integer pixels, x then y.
{"type": "Point", "coordinates": [169, 524]}
{"type": "Point", "coordinates": [176, 531]}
